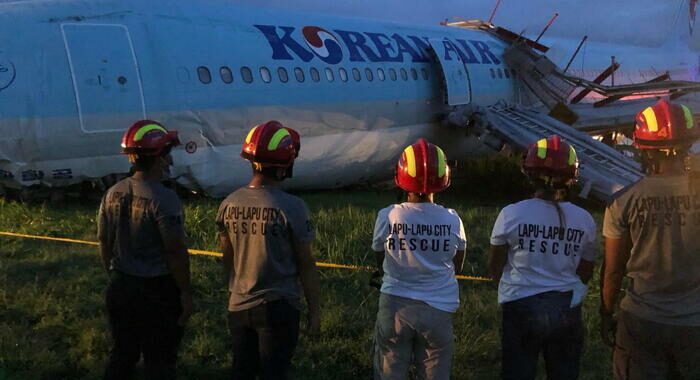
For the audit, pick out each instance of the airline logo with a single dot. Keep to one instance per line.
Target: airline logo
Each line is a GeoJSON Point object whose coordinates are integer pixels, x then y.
{"type": "Point", "coordinates": [323, 43]}
{"type": "Point", "coordinates": [333, 46]}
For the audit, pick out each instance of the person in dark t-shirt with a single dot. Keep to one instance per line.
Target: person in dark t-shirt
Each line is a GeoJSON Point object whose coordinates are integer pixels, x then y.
{"type": "Point", "coordinates": [266, 237]}
{"type": "Point", "coordinates": [652, 235]}
{"type": "Point", "coordinates": [141, 234]}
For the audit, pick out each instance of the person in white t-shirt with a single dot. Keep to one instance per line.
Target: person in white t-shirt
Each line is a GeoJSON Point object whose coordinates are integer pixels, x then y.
{"type": "Point", "coordinates": [542, 254]}
{"type": "Point", "coordinates": [419, 246]}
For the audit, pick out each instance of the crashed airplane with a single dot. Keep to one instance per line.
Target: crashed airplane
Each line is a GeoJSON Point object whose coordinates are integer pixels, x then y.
{"type": "Point", "coordinates": [75, 73]}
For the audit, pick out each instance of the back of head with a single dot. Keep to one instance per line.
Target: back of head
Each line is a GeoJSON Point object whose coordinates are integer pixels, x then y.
{"type": "Point", "coordinates": [422, 169]}
{"type": "Point", "coordinates": [272, 146]}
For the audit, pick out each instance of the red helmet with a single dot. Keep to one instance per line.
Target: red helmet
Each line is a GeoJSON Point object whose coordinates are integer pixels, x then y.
{"type": "Point", "coordinates": [422, 169]}
{"type": "Point", "coordinates": [665, 126]}
{"type": "Point", "coordinates": [272, 144]}
{"type": "Point", "coordinates": [148, 138]}
{"type": "Point", "coordinates": [551, 157]}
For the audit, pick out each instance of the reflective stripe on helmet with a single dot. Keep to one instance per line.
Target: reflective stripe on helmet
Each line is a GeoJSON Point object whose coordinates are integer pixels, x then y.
{"type": "Point", "coordinates": [410, 161]}
{"type": "Point", "coordinates": [572, 155]}
{"type": "Point", "coordinates": [277, 138]}
{"type": "Point", "coordinates": [442, 164]}
{"type": "Point", "coordinates": [650, 117]}
{"type": "Point", "coordinates": [250, 134]}
{"type": "Point", "coordinates": [147, 128]}
{"type": "Point", "coordinates": [688, 117]}
{"type": "Point", "coordinates": [542, 148]}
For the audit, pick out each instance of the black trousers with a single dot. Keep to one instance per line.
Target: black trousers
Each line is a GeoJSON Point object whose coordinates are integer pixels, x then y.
{"type": "Point", "coordinates": [542, 323]}
{"type": "Point", "coordinates": [143, 314]}
{"type": "Point", "coordinates": [264, 338]}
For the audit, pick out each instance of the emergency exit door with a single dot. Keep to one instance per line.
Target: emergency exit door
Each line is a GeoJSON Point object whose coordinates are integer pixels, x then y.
{"type": "Point", "coordinates": [455, 74]}
{"type": "Point", "coordinates": [106, 79]}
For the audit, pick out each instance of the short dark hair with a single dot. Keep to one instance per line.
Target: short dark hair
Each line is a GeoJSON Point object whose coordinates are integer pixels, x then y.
{"type": "Point", "coordinates": [142, 163]}
{"type": "Point", "coordinates": [267, 171]}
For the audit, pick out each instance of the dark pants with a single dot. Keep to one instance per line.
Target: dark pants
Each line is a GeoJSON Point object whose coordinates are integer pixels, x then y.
{"type": "Point", "coordinates": [651, 350]}
{"type": "Point", "coordinates": [542, 323]}
{"type": "Point", "coordinates": [143, 314]}
{"type": "Point", "coordinates": [264, 338]}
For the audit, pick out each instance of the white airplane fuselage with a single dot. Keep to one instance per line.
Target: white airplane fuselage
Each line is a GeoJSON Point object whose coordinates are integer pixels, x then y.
{"type": "Point", "coordinates": [75, 74]}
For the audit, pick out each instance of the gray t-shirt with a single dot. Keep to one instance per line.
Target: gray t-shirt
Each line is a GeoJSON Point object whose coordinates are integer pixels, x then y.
{"type": "Point", "coordinates": [663, 222]}
{"type": "Point", "coordinates": [264, 225]}
{"type": "Point", "coordinates": [134, 217]}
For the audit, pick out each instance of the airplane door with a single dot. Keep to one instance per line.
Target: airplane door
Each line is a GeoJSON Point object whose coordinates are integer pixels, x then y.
{"type": "Point", "coordinates": [106, 78]}
{"type": "Point", "coordinates": [455, 74]}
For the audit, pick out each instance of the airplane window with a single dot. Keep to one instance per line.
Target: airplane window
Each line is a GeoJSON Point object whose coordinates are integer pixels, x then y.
{"type": "Point", "coordinates": [299, 74]}
{"type": "Point", "coordinates": [265, 74]}
{"type": "Point", "coordinates": [414, 74]}
{"type": "Point", "coordinates": [424, 72]}
{"type": "Point", "coordinates": [493, 74]}
{"type": "Point", "coordinates": [343, 74]}
{"type": "Point", "coordinates": [246, 74]}
{"type": "Point", "coordinates": [204, 74]}
{"type": "Point", "coordinates": [380, 74]}
{"type": "Point", "coordinates": [404, 75]}
{"type": "Point", "coordinates": [506, 72]}
{"type": "Point", "coordinates": [314, 74]}
{"type": "Point", "coordinates": [392, 74]}
{"type": "Point", "coordinates": [282, 73]}
{"type": "Point", "coordinates": [226, 74]}
{"type": "Point", "coordinates": [500, 73]}
{"type": "Point", "coordinates": [369, 75]}
{"type": "Point", "coordinates": [356, 75]}
{"type": "Point", "coordinates": [329, 74]}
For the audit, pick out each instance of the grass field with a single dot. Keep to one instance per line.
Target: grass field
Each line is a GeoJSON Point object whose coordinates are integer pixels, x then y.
{"type": "Point", "coordinates": [52, 324]}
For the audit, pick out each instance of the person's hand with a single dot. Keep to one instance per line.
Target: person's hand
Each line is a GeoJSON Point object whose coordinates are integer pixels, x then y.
{"type": "Point", "coordinates": [608, 328]}
{"type": "Point", "coordinates": [186, 303]}
{"type": "Point", "coordinates": [375, 279]}
{"type": "Point", "coordinates": [313, 325]}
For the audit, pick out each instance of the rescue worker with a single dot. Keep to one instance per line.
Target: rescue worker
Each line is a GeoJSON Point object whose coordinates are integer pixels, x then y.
{"type": "Point", "coordinates": [266, 236]}
{"type": "Point", "coordinates": [142, 243]}
{"type": "Point", "coordinates": [652, 235]}
{"type": "Point", "coordinates": [420, 246]}
{"type": "Point", "coordinates": [542, 253]}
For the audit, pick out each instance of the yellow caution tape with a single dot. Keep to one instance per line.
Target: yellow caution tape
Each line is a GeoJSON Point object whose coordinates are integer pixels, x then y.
{"type": "Point", "coordinates": [215, 254]}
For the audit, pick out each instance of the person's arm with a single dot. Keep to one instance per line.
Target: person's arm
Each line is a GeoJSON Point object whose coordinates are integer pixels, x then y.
{"type": "Point", "coordinates": [458, 261]}
{"type": "Point", "coordinates": [379, 259]}
{"type": "Point", "coordinates": [497, 261]}
{"type": "Point", "coordinates": [585, 270]}
{"type": "Point", "coordinates": [617, 252]}
{"type": "Point", "coordinates": [104, 237]}
{"type": "Point", "coordinates": [227, 250]}
{"type": "Point", "coordinates": [310, 282]}
{"type": "Point", "coordinates": [178, 260]}
{"type": "Point", "coordinates": [106, 253]}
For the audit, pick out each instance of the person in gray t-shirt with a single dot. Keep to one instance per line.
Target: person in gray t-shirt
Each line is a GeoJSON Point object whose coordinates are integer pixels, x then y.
{"type": "Point", "coordinates": [652, 235]}
{"type": "Point", "coordinates": [141, 234]}
{"type": "Point", "coordinates": [266, 237]}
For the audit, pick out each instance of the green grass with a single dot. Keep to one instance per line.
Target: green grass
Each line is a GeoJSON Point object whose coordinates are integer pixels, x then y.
{"type": "Point", "coordinates": [52, 323]}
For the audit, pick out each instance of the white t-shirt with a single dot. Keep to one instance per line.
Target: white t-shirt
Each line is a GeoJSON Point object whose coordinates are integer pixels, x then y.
{"type": "Point", "coordinates": [541, 256]}
{"type": "Point", "coordinates": [419, 241]}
